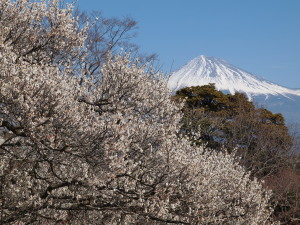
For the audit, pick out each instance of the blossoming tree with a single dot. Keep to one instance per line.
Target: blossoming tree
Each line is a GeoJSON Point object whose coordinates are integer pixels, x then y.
{"type": "Point", "coordinates": [76, 149]}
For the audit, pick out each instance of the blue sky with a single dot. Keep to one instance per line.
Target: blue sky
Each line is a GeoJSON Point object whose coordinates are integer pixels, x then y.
{"type": "Point", "coordinates": [259, 36]}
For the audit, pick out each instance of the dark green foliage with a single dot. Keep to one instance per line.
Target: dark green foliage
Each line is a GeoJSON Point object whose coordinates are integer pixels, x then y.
{"type": "Point", "coordinates": [260, 137]}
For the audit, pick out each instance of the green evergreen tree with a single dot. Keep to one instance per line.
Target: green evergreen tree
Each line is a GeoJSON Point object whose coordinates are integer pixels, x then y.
{"type": "Point", "coordinates": [260, 137]}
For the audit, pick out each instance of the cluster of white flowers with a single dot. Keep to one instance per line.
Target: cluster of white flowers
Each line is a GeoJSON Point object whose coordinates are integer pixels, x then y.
{"type": "Point", "coordinates": [77, 150]}
{"type": "Point", "coordinates": [42, 32]}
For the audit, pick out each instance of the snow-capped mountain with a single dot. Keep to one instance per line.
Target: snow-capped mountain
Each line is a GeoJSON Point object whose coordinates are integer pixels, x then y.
{"type": "Point", "coordinates": [203, 70]}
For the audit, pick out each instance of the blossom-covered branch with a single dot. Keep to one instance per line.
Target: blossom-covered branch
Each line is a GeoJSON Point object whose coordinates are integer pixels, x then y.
{"type": "Point", "coordinates": [79, 149]}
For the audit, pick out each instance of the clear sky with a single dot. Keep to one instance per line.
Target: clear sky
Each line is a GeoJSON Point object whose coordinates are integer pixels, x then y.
{"type": "Point", "coordinates": [259, 36]}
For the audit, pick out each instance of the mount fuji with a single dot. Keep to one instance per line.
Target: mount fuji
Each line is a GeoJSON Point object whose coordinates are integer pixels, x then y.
{"type": "Point", "coordinates": [203, 70]}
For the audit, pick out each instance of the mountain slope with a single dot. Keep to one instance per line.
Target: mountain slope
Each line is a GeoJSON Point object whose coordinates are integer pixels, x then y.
{"type": "Point", "coordinates": [204, 70]}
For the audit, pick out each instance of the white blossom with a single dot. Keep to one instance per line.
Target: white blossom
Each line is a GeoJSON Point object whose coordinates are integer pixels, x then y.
{"type": "Point", "coordinates": [105, 150]}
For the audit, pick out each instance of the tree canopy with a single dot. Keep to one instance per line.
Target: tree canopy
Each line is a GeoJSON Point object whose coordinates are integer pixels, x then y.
{"type": "Point", "coordinates": [232, 121]}
{"type": "Point", "coordinates": [83, 149]}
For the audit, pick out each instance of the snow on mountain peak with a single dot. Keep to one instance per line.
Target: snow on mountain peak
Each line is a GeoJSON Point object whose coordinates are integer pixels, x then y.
{"type": "Point", "coordinates": [203, 70]}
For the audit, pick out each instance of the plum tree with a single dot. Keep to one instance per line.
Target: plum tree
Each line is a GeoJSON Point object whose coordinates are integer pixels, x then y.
{"type": "Point", "coordinates": [78, 149]}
